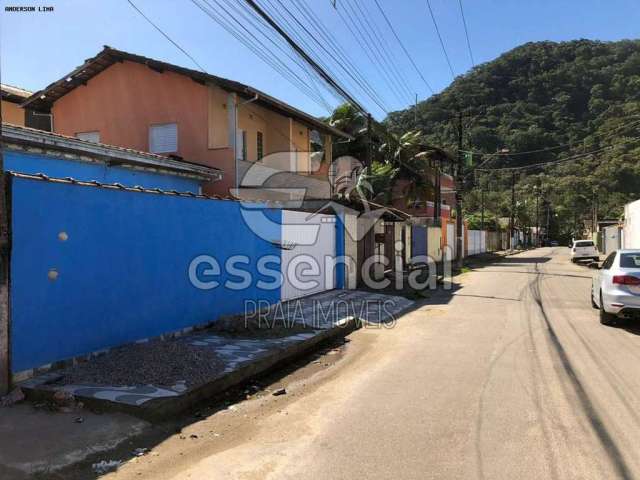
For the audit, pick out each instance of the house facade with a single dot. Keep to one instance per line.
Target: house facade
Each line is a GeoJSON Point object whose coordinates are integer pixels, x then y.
{"type": "Point", "coordinates": [131, 101]}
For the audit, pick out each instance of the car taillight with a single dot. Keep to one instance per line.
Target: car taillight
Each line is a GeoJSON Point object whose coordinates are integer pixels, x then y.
{"type": "Point", "coordinates": [626, 280]}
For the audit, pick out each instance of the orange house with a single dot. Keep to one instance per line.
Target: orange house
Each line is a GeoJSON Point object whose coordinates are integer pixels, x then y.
{"type": "Point", "coordinates": [132, 101]}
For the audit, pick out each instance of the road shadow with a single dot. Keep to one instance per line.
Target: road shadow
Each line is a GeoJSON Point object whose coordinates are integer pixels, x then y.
{"type": "Point", "coordinates": [522, 260]}
{"type": "Point", "coordinates": [630, 325]}
{"type": "Point", "coordinates": [525, 272]}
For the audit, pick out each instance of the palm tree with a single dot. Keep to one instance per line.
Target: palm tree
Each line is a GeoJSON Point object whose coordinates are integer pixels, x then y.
{"type": "Point", "coordinates": [395, 157]}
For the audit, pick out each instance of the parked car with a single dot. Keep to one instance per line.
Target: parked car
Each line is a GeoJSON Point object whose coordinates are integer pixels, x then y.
{"type": "Point", "coordinates": [584, 250]}
{"type": "Point", "coordinates": [616, 286]}
{"type": "Point", "coordinates": [553, 243]}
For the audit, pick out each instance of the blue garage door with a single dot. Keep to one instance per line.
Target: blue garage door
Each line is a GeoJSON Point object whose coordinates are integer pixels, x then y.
{"type": "Point", "coordinates": [418, 240]}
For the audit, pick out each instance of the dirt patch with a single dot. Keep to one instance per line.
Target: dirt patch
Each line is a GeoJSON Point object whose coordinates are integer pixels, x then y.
{"type": "Point", "coordinates": [161, 363]}
{"type": "Point", "coordinates": [269, 325]}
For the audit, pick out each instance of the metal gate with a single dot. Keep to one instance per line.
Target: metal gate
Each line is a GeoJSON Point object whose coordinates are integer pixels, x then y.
{"type": "Point", "coordinates": [418, 241]}
{"type": "Point", "coordinates": [308, 253]}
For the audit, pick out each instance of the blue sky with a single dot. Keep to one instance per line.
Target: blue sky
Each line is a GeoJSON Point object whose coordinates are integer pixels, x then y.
{"type": "Point", "coordinates": [38, 48]}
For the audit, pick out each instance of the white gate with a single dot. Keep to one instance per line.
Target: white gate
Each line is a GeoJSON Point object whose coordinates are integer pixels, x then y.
{"type": "Point", "coordinates": [611, 239]}
{"type": "Point", "coordinates": [451, 239]}
{"type": "Point", "coordinates": [308, 255]}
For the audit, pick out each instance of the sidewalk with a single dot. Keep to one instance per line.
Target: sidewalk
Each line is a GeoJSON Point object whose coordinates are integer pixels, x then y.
{"type": "Point", "coordinates": [237, 358]}
{"type": "Point", "coordinates": [35, 439]}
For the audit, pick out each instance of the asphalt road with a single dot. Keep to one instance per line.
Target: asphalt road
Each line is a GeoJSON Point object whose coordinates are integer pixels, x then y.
{"type": "Point", "coordinates": [510, 377]}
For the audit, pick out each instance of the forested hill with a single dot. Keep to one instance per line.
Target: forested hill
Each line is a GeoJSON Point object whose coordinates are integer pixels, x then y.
{"type": "Point", "coordinates": [546, 95]}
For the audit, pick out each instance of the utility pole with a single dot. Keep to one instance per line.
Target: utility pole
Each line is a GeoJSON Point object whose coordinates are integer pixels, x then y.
{"type": "Point", "coordinates": [459, 180]}
{"type": "Point", "coordinates": [437, 200]}
{"type": "Point", "coordinates": [548, 214]}
{"type": "Point", "coordinates": [481, 204]}
{"type": "Point", "coordinates": [512, 219]}
{"type": "Point", "coordinates": [537, 216]}
{"type": "Point", "coordinates": [369, 142]}
{"type": "Point", "coordinates": [415, 112]}
{"type": "Point", "coordinates": [594, 216]}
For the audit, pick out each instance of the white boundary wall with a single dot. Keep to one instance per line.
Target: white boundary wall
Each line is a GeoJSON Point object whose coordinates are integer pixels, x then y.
{"type": "Point", "coordinates": [631, 229]}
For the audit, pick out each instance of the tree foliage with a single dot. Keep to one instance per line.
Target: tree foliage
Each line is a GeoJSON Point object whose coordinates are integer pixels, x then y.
{"type": "Point", "coordinates": [566, 99]}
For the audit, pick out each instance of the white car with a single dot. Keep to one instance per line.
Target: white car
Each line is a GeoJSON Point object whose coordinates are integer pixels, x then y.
{"type": "Point", "coordinates": [584, 250]}
{"type": "Point", "coordinates": [616, 286]}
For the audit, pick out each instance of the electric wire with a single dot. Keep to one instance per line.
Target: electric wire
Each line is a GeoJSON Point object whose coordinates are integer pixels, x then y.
{"type": "Point", "coordinates": [165, 35]}
{"type": "Point", "coordinates": [384, 48]}
{"type": "Point", "coordinates": [370, 44]}
{"type": "Point", "coordinates": [444, 50]}
{"type": "Point", "coordinates": [466, 33]}
{"type": "Point", "coordinates": [384, 15]}
{"type": "Point", "coordinates": [285, 71]}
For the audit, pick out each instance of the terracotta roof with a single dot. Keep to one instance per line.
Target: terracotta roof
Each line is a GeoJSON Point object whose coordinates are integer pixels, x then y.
{"type": "Point", "coordinates": [116, 186]}
{"type": "Point", "coordinates": [119, 186]}
{"type": "Point", "coordinates": [112, 153]}
{"type": "Point", "coordinates": [14, 94]}
{"type": "Point", "coordinates": [44, 99]}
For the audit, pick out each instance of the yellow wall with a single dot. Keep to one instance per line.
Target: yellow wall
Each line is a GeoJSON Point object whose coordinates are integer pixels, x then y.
{"type": "Point", "coordinates": [12, 113]}
{"type": "Point", "coordinates": [279, 132]}
{"type": "Point", "coordinates": [253, 119]}
{"type": "Point", "coordinates": [301, 145]}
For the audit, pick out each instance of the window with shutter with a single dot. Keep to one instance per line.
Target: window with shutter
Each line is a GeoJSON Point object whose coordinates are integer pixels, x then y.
{"type": "Point", "coordinates": [163, 138]}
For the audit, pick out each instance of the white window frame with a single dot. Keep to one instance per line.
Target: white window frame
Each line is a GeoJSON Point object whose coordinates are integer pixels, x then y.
{"type": "Point", "coordinates": [91, 136]}
{"type": "Point", "coordinates": [162, 148]}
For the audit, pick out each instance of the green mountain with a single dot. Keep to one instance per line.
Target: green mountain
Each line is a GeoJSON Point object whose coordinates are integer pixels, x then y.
{"type": "Point", "coordinates": [577, 101]}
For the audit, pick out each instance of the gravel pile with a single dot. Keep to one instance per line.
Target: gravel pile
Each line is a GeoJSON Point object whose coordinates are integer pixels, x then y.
{"type": "Point", "coordinates": [161, 363]}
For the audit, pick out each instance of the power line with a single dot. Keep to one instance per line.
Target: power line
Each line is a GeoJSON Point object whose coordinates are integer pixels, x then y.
{"type": "Point", "coordinates": [251, 16]}
{"type": "Point", "coordinates": [444, 50]}
{"type": "Point", "coordinates": [258, 48]}
{"type": "Point", "coordinates": [368, 49]}
{"type": "Point", "coordinates": [556, 147]}
{"type": "Point", "coordinates": [309, 72]}
{"type": "Point", "coordinates": [367, 90]}
{"type": "Point", "coordinates": [466, 33]}
{"type": "Point", "coordinates": [573, 158]}
{"type": "Point", "coordinates": [384, 47]}
{"type": "Point", "coordinates": [319, 27]}
{"type": "Point", "coordinates": [166, 35]}
{"type": "Point", "coordinates": [255, 45]}
{"type": "Point", "coordinates": [325, 76]}
{"type": "Point", "coordinates": [403, 47]}
{"type": "Point", "coordinates": [278, 130]}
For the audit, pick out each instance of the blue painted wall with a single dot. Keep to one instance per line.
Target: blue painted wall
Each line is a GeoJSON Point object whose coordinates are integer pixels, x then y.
{"type": "Point", "coordinates": [123, 271]}
{"type": "Point", "coordinates": [60, 167]}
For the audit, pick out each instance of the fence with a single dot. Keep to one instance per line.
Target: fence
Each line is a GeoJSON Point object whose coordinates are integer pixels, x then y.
{"type": "Point", "coordinates": [95, 267]}
{"type": "Point", "coordinates": [476, 242]}
{"type": "Point", "coordinates": [430, 240]}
